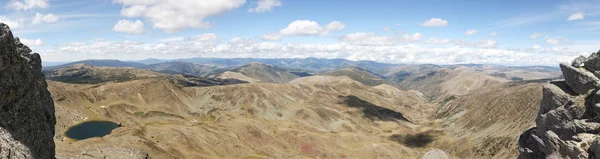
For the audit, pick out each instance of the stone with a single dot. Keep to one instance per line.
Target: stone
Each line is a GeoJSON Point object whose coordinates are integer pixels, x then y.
{"type": "Point", "coordinates": [579, 80]}
{"type": "Point", "coordinates": [555, 94]}
{"type": "Point", "coordinates": [435, 154]}
{"type": "Point", "coordinates": [592, 63]}
{"type": "Point", "coordinates": [567, 123]}
{"type": "Point", "coordinates": [578, 62]}
{"type": "Point", "coordinates": [26, 109]}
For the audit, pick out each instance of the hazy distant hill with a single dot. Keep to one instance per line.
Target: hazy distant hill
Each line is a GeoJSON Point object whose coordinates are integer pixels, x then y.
{"type": "Point", "coordinates": [443, 82]}
{"type": "Point", "coordinates": [108, 63]}
{"type": "Point", "coordinates": [311, 64]}
{"type": "Point", "coordinates": [363, 76]}
{"type": "Point", "coordinates": [183, 68]}
{"type": "Point", "coordinates": [87, 74]}
{"type": "Point", "coordinates": [258, 72]}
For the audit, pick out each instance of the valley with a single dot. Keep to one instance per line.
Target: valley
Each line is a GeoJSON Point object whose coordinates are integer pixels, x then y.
{"type": "Point", "coordinates": [274, 112]}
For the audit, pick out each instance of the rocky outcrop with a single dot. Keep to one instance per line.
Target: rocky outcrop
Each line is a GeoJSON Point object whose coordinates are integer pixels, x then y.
{"type": "Point", "coordinates": [568, 121]}
{"type": "Point", "coordinates": [435, 154]}
{"type": "Point", "coordinates": [26, 107]}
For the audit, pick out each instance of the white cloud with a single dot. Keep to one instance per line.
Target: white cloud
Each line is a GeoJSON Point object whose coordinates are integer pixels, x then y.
{"type": "Point", "coordinates": [471, 32]}
{"type": "Point", "coordinates": [536, 47]}
{"type": "Point", "coordinates": [552, 41]}
{"type": "Point", "coordinates": [310, 28]}
{"type": "Point", "coordinates": [335, 26]}
{"type": "Point", "coordinates": [535, 35]}
{"type": "Point", "coordinates": [435, 22]}
{"type": "Point", "coordinates": [11, 23]}
{"type": "Point", "coordinates": [172, 39]}
{"type": "Point", "coordinates": [33, 42]}
{"type": "Point", "coordinates": [172, 16]}
{"type": "Point", "coordinates": [41, 18]}
{"type": "Point", "coordinates": [576, 16]}
{"type": "Point", "coordinates": [27, 4]}
{"type": "Point", "coordinates": [203, 37]}
{"type": "Point", "coordinates": [416, 37]}
{"type": "Point", "coordinates": [478, 44]}
{"type": "Point", "coordinates": [433, 40]}
{"type": "Point", "coordinates": [493, 34]}
{"type": "Point", "coordinates": [265, 5]}
{"type": "Point", "coordinates": [271, 37]}
{"type": "Point", "coordinates": [366, 38]}
{"type": "Point", "coordinates": [487, 44]}
{"type": "Point", "coordinates": [130, 27]}
{"type": "Point", "coordinates": [385, 29]}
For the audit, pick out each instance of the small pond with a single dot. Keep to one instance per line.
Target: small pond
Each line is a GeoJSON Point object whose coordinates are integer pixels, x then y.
{"type": "Point", "coordinates": [91, 129]}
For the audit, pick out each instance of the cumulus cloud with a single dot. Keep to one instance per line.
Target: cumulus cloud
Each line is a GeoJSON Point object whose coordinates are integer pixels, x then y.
{"type": "Point", "coordinates": [271, 37]}
{"type": "Point", "coordinates": [433, 40]}
{"type": "Point", "coordinates": [41, 18]}
{"type": "Point", "coordinates": [239, 47]}
{"type": "Point", "coordinates": [435, 22]}
{"type": "Point", "coordinates": [366, 38]}
{"type": "Point", "coordinates": [11, 23]}
{"type": "Point", "coordinates": [535, 35]}
{"type": "Point", "coordinates": [471, 32]}
{"type": "Point", "coordinates": [130, 27]}
{"type": "Point", "coordinates": [335, 26]}
{"type": "Point", "coordinates": [536, 47]}
{"type": "Point", "coordinates": [172, 16]}
{"type": "Point", "coordinates": [203, 37]}
{"type": "Point", "coordinates": [32, 42]}
{"type": "Point", "coordinates": [27, 4]}
{"type": "Point", "coordinates": [265, 5]}
{"type": "Point", "coordinates": [305, 28]}
{"type": "Point", "coordinates": [552, 41]}
{"type": "Point", "coordinates": [576, 16]}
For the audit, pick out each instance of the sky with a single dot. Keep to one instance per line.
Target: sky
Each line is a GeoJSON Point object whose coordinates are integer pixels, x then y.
{"type": "Point", "coordinates": [506, 32]}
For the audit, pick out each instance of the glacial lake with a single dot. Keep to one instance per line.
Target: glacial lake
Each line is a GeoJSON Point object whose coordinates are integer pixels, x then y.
{"type": "Point", "coordinates": [91, 129]}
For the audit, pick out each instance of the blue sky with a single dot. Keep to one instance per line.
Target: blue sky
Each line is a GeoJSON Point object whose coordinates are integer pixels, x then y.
{"type": "Point", "coordinates": [439, 32]}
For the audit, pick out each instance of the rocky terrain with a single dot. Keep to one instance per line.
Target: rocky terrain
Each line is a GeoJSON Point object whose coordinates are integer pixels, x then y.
{"type": "Point", "coordinates": [567, 121]}
{"type": "Point", "coordinates": [27, 117]}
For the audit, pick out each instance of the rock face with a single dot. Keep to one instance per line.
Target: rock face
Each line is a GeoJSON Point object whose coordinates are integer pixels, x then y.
{"type": "Point", "coordinates": [435, 154]}
{"type": "Point", "coordinates": [568, 121]}
{"type": "Point", "coordinates": [26, 107]}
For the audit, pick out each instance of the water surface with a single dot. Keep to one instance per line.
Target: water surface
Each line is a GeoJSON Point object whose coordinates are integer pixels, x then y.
{"type": "Point", "coordinates": [91, 129]}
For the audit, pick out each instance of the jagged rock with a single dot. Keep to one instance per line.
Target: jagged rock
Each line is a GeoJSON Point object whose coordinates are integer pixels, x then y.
{"type": "Point", "coordinates": [26, 107]}
{"type": "Point", "coordinates": [579, 79]}
{"type": "Point", "coordinates": [567, 123]}
{"type": "Point", "coordinates": [555, 94]}
{"type": "Point", "coordinates": [10, 148]}
{"type": "Point", "coordinates": [435, 154]}
{"type": "Point", "coordinates": [592, 63]}
{"type": "Point", "coordinates": [578, 62]}
{"type": "Point", "coordinates": [530, 145]}
{"type": "Point", "coordinates": [112, 152]}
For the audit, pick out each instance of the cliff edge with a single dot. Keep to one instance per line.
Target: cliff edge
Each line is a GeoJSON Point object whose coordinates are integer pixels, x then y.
{"type": "Point", "coordinates": [26, 108]}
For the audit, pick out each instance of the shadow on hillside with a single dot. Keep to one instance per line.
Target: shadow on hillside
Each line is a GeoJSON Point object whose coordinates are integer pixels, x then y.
{"type": "Point", "coordinates": [372, 111]}
{"type": "Point", "coordinates": [415, 140]}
